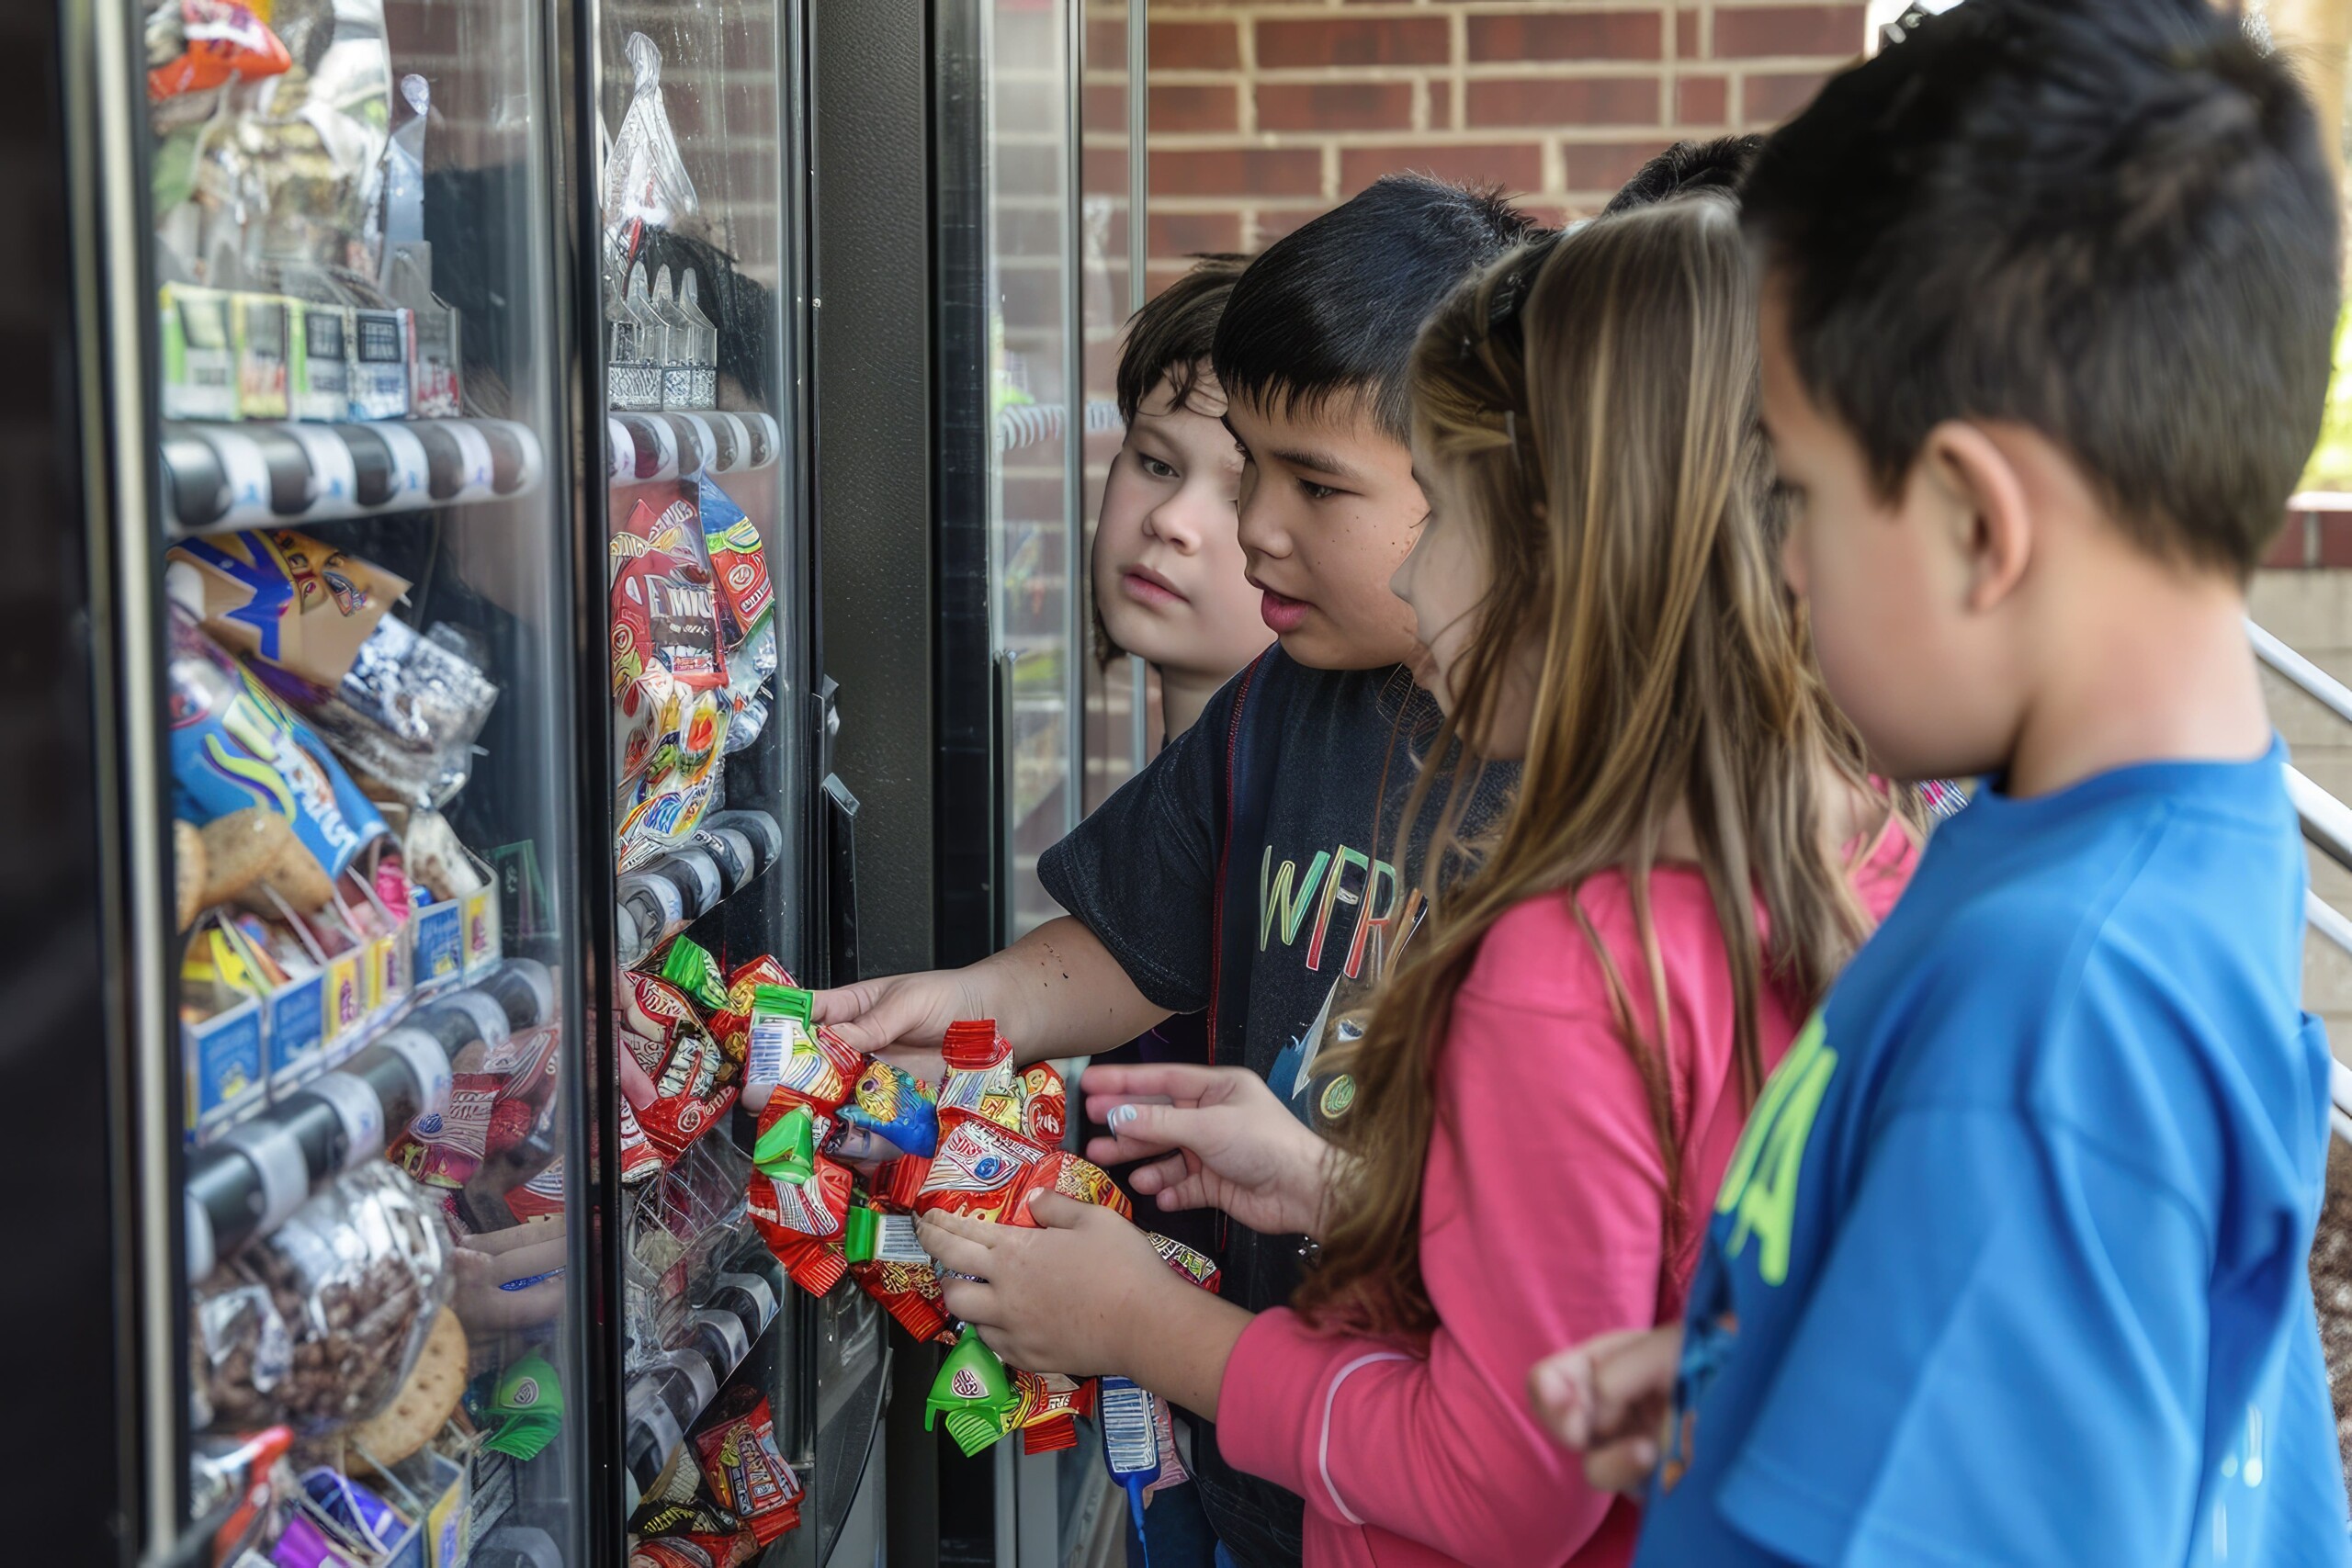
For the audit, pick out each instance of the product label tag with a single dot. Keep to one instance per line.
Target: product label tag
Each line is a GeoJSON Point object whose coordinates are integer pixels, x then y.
{"type": "Point", "coordinates": [439, 953]}
{"type": "Point", "coordinates": [483, 946]}
{"type": "Point", "coordinates": [297, 1031]}
{"type": "Point", "coordinates": [224, 1069]}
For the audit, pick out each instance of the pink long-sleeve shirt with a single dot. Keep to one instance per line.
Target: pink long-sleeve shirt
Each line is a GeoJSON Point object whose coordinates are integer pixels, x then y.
{"type": "Point", "coordinates": [1543, 1224]}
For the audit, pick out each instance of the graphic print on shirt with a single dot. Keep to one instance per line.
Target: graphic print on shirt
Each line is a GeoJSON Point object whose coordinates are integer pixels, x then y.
{"type": "Point", "coordinates": [1756, 1209]}
{"type": "Point", "coordinates": [1385, 916]}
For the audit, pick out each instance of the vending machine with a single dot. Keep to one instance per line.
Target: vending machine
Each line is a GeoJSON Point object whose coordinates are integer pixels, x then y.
{"type": "Point", "coordinates": [417, 616]}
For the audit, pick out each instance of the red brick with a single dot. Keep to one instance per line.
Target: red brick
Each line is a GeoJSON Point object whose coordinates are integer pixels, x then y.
{"type": "Point", "coordinates": [1158, 275]}
{"type": "Point", "coordinates": [1106, 45]}
{"type": "Point", "coordinates": [1365, 41]}
{"type": "Point", "coordinates": [1183, 233]}
{"type": "Point", "coordinates": [1568, 35]}
{"type": "Point", "coordinates": [1549, 214]}
{"type": "Point", "coordinates": [1239, 170]}
{"type": "Point", "coordinates": [1567, 100]}
{"type": "Point", "coordinates": [1335, 106]}
{"type": "Point", "coordinates": [1513, 165]}
{"type": "Point", "coordinates": [1196, 46]}
{"type": "Point", "coordinates": [1745, 33]}
{"type": "Point", "coordinates": [1273, 223]}
{"type": "Point", "coordinates": [1180, 107]}
{"type": "Point", "coordinates": [2335, 538]}
{"type": "Point", "coordinates": [2291, 550]}
{"type": "Point", "coordinates": [1441, 106]}
{"type": "Point", "coordinates": [1771, 97]}
{"type": "Point", "coordinates": [1103, 168]}
{"type": "Point", "coordinates": [1105, 109]}
{"type": "Point", "coordinates": [1702, 100]}
{"type": "Point", "coordinates": [1686, 35]}
{"type": "Point", "coordinates": [1605, 165]}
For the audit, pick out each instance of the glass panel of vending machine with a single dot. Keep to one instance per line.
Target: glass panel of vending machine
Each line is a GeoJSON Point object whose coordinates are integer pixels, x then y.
{"type": "Point", "coordinates": [355, 575]}
{"type": "Point", "coordinates": [698, 271]}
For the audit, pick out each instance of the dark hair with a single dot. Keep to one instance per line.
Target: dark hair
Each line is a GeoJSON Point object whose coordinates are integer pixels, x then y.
{"type": "Point", "coordinates": [1330, 311]}
{"type": "Point", "coordinates": [1171, 335]}
{"type": "Point", "coordinates": [2111, 220]}
{"type": "Point", "coordinates": [1684, 167]}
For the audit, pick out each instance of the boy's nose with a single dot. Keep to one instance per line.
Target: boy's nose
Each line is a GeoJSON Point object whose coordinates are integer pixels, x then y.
{"type": "Point", "coordinates": [1258, 529]}
{"type": "Point", "coordinates": [1176, 522]}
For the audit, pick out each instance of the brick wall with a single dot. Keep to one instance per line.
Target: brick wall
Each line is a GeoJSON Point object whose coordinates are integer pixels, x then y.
{"type": "Point", "coordinates": [1266, 112]}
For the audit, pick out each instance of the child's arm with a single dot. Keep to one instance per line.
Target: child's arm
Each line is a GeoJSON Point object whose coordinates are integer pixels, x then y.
{"type": "Point", "coordinates": [1056, 992]}
{"type": "Point", "coordinates": [1545, 1227]}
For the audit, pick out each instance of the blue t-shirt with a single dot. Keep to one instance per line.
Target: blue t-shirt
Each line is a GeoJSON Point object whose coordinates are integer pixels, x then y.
{"type": "Point", "coordinates": [2009, 1267]}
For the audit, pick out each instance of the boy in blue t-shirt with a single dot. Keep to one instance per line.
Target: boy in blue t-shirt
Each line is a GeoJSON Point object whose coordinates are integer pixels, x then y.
{"type": "Point", "coordinates": [2009, 1267]}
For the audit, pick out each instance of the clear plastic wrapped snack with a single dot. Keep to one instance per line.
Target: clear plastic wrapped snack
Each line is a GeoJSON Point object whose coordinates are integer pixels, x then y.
{"type": "Point", "coordinates": [318, 1324]}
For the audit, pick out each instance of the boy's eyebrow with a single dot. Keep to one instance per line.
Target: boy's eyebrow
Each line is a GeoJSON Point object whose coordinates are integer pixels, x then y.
{"type": "Point", "coordinates": [1319, 462]}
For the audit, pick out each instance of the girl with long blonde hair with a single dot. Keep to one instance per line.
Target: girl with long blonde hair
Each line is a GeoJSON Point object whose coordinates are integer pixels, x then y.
{"type": "Point", "coordinates": [1551, 1083]}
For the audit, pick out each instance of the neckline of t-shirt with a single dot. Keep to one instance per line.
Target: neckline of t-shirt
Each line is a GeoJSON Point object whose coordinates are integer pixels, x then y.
{"type": "Point", "coordinates": [2247, 782]}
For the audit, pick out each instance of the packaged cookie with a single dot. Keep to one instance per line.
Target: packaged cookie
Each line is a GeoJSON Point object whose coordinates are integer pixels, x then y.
{"type": "Point", "coordinates": [351, 1281]}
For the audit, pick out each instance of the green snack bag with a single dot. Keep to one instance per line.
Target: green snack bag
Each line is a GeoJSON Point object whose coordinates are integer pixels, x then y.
{"type": "Point", "coordinates": [692, 969]}
{"type": "Point", "coordinates": [787, 1150]}
{"type": "Point", "coordinates": [861, 1234]}
{"type": "Point", "coordinates": [977, 1395]}
{"type": "Point", "coordinates": [528, 1408]}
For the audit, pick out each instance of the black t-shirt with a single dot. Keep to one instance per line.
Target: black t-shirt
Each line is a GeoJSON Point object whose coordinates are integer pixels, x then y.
{"type": "Point", "coordinates": [1339, 752]}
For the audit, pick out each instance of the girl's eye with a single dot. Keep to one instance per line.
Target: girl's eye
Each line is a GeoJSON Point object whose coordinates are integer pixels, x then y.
{"type": "Point", "coordinates": [1157, 469]}
{"type": "Point", "coordinates": [1316, 491]}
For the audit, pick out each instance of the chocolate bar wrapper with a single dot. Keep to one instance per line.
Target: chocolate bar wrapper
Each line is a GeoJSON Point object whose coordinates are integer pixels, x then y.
{"type": "Point", "coordinates": [1198, 1267]}
{"type": "Point", "coordinates": [747, 1474]}
{"type": "Point", "coordinates": [908, 1292]}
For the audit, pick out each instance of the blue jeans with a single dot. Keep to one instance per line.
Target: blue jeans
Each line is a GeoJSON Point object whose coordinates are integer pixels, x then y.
{"type": "Point", "coordinates": [1176, 1533]}
{"type": "Point", "coordinates": [1225, 1558]}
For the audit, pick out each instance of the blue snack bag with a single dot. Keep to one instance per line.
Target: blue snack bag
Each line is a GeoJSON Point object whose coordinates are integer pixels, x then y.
{"type": "Point", "coordinates": [235, 746]}
{"type": "Point", "coordinates": [892, 1106]}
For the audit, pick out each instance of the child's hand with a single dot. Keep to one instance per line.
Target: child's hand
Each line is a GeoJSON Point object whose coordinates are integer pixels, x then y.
{"type": "Point", "coordinates": [1067, 1298]}
{"type": "Point", "coordinates": [1609, 1398]}
{"type": "Point", "coordinates": [900, 1017]}
{"type": "Point", "coordinates": [1229, 1143]}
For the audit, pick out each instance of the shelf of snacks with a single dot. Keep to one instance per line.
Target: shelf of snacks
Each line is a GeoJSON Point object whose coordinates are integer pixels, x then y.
{"type": "Point", "coordinates": [373, 793]}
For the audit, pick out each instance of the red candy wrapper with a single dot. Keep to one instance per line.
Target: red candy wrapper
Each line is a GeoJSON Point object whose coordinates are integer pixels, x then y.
{"type": "Point", "coordinates": [444, 1148]}
{"type": "Point", "coordinates": [894, 1188]}
{"type": "Point", "coordinates": [983, 1172]}
{"type": "Point", "coordinates": [1194, 1266]}
{"type": "Point", "coordinates": [542, 1198]}
{"type": "Point", "coordinates": [817, 1207]}
{"type": "Point", "coordinates": [1045, 1109]}
{"type": "Point", "coordinates": [973, 1046]}
{"type": "Point", "coordinates": [687, 1067]}
{"type": "Point", "coordinates": [908, 1292]}
{"type": "Point", "coordinates": [1073, 1176]}
{"type": "Point", "coordinates": [641, 1161]}
{"type": "Point", "coordinates": [815, 1266]}
{"type": "Point", "coordinates": [733, 1024]}
{"type": "Point", "coordinates": [746, 1473]}
{"type": "Point", "coordinates": [1051, 1405]}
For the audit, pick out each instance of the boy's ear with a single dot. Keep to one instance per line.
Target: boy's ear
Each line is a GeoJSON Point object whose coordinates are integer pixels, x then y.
{"type": "Point", "coordinates": [1979, 504]}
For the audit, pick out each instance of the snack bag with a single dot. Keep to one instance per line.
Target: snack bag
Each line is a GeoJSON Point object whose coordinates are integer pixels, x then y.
{"type": "Point", "coordinates": [980, 1080]}
{"type": "Point", "coordinates": [526, 1409]}
{"type": "Point", "coordinates": [217, 40]}
{"type": "Point", "coordinates": [984, 1172]}
{"type": "Point", "coordinates": [404, 715]}
{"type": "Point", "coordinates": [444, 1148]}
{"type": "Point", "coordinates": [738, 564]}
{"type": "Point", "coordinates": [1045, 1105]}
{"type": "Point", "coordinates": [815, 1266]}
{"type": "Point", "coordinates": [908, 1292]}
{"type": "Point", "coordinates": [895, 1187]}
{"type": "Point", "coordinates": [895, 1112]}
{"type": "Point", "coordinates": [645, 179]}
{"type": "Point", "coordinates": [1198, 1267]}
{"type": "Point", "coordinates": [234, 748]}
{"type": "Point", "coordinates": [1051, 1405]}
{"type": "Point", "coordinates": [740, 1461]}
{"type": "Point", "coordinates": [977, 1393]}
{"type": "Point", "coordinates": [818, 1207]}
{"type": "Point", "coordinates": [287, 599]}
{"type": "Point", "coordinates": [733, 1024]}
{"type": "Point", "coordinates": [691, 1531]}
{"type": "Point", "coordinates": [690, 967]}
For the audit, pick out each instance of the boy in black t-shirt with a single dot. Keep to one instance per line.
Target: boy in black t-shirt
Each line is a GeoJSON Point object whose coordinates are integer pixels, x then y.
{"type": "Point", "coordinates": [1311, 353]}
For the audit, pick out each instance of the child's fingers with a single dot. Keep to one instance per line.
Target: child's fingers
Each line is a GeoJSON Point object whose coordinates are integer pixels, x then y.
{"type": "Point", "coordinates": [869, 1016]}
{"type": "Point", "coordinates": [1623, 1465]}
{"type": "Point", "coordinates": [533, 1234]}
{"type": "Point", "coordinates": [973, 1301]}
{"type": "Point", "coordinates": [1631, 1377]}
{"type": "Point", "coordinates": [1162, 1175]}
{"type": "Point", "coordinates": [1178, 1081]}
{"type": "Point", "coordinates": [950, 1251]}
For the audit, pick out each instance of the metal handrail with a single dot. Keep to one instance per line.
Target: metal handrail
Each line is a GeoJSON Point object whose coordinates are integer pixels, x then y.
{"type": "Point", "coordinates": [2327, 827]}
